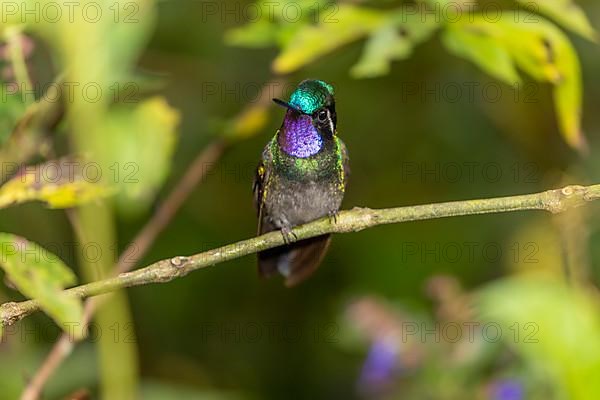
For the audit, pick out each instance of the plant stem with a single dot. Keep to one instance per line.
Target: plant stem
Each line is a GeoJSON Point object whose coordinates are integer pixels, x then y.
{"type": "Point", "coordinates": [14, 38]}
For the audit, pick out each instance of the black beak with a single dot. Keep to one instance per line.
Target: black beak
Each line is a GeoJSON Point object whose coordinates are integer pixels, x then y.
{"type": "Point", "coordinates": [286, 105]}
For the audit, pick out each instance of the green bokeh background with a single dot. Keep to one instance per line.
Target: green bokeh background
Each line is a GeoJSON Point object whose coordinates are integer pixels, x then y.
{"type": "Point", "coordinates": [193, 333]}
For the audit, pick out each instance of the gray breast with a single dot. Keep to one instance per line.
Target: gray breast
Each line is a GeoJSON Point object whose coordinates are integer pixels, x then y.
{"type": "Point", "coordinates": [291, 203]}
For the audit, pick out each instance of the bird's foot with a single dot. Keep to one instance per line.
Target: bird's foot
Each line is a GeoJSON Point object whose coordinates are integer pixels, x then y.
{"type": "Point", "coordinates": [288, 235]}
{"type": "Point", "coordinates": [333, 216]}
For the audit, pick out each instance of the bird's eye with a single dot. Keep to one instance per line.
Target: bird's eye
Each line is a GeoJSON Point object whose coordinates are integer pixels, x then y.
{"type": "Point", "coordinates": [322, 115]}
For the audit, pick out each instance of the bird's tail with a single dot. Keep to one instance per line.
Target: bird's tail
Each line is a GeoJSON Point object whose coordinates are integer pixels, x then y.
{"type": "Point", "coordinates": [296, 261]}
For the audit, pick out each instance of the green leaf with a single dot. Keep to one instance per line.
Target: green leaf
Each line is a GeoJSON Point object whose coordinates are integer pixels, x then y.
{"type": "Point", "coordinates": [567, 101]}
{"type": "Point", "coordinates": [60, 184]}
{"type": "Point", "coordinates": [545, 52]}
{"type": "Point", "coordinates": [382, 47]}
{"type": "Point", "coordinates": [395, 40]}
{"type": "Point", "coordinates": [540, 49]}
{"type": "Point", "coordinates": [482, 48]}
{"type": "Point", "coordinates": [41, 275]}
{"type": "Point", "coordinates": [136, 150]}
{"type": "Point", "coordinates": [565, 12]}
{"type": "Point", "coordinates": [547, 322]}
{"type": "Point", "coordinates": [310, 42]}
{"type": "Point", "coordinates": [326, 27]}
{"type": "Point", "coordinates": [258, 34]}
{"type": "Point", "coordinates": [276, 22]}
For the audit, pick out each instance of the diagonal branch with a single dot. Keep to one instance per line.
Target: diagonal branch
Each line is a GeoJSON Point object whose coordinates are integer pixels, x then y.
{"type": "Point", "coordinates": [357, 219]}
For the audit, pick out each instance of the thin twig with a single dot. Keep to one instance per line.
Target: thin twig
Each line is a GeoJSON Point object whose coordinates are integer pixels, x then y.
{"type": "Point", "coordinates": [159, 221]}
{"type": "Point", "coordinates": [131, 256]}
{"type": "Point", "coordinates": [357, 219]}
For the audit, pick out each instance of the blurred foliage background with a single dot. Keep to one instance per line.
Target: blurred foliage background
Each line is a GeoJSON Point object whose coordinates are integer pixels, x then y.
{"type": "Point", "coordinates": [431, 108]}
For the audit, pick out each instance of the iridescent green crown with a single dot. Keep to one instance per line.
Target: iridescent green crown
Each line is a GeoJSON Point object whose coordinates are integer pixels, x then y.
{"type": "Point", "coordinates": [311, 95]}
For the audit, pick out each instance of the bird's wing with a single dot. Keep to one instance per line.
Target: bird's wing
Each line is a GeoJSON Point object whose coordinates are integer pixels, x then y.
{"type": "Point", "coordinates": [345, 160]}
{"type": "Point", "coordinates": [267, 260]}
{"type": "Point", "coordinates": [259, 186]}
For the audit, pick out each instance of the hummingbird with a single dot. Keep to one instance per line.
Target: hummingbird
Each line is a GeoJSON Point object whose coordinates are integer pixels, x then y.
{"type": "Point", "coordinates": [301, 177]}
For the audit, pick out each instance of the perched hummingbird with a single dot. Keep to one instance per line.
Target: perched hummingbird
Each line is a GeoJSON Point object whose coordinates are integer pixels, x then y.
{"type": "Point", "coordinates": [301, 177]}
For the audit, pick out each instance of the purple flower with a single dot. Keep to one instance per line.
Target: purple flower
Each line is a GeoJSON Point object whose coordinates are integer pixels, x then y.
{"type": "Point", "coordinates": [507, 389]}
{"type": "Point", "coordinates": [381, 365]}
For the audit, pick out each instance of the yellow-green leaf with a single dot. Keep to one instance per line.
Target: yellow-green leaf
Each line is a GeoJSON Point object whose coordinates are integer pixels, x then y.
{"type": "Point", "coordinates": [311, 42]}
{"type": "Point", "coordinates": [540, 49]}
{"type": "Point", "coordinates": [273, 23]}
{"type": "Point", "coordinates": [545, 52]}
{"type": "Point", "coordinates": [482, 47]}
{"type": "Point", "coordinates": [565, 12]}
{"type": "Point", "coordinates": [60, 184]}
{"type": "Point", "coordinates": [249, 122]}
{"type": "Point", "coordinates": [382, 47]}
{"type": "Point", "coordinates": [394, 40]}
{"type": "Point", "coordinates": [257, 34]}
{"type": "Point", "coordinates": [41, 275]}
